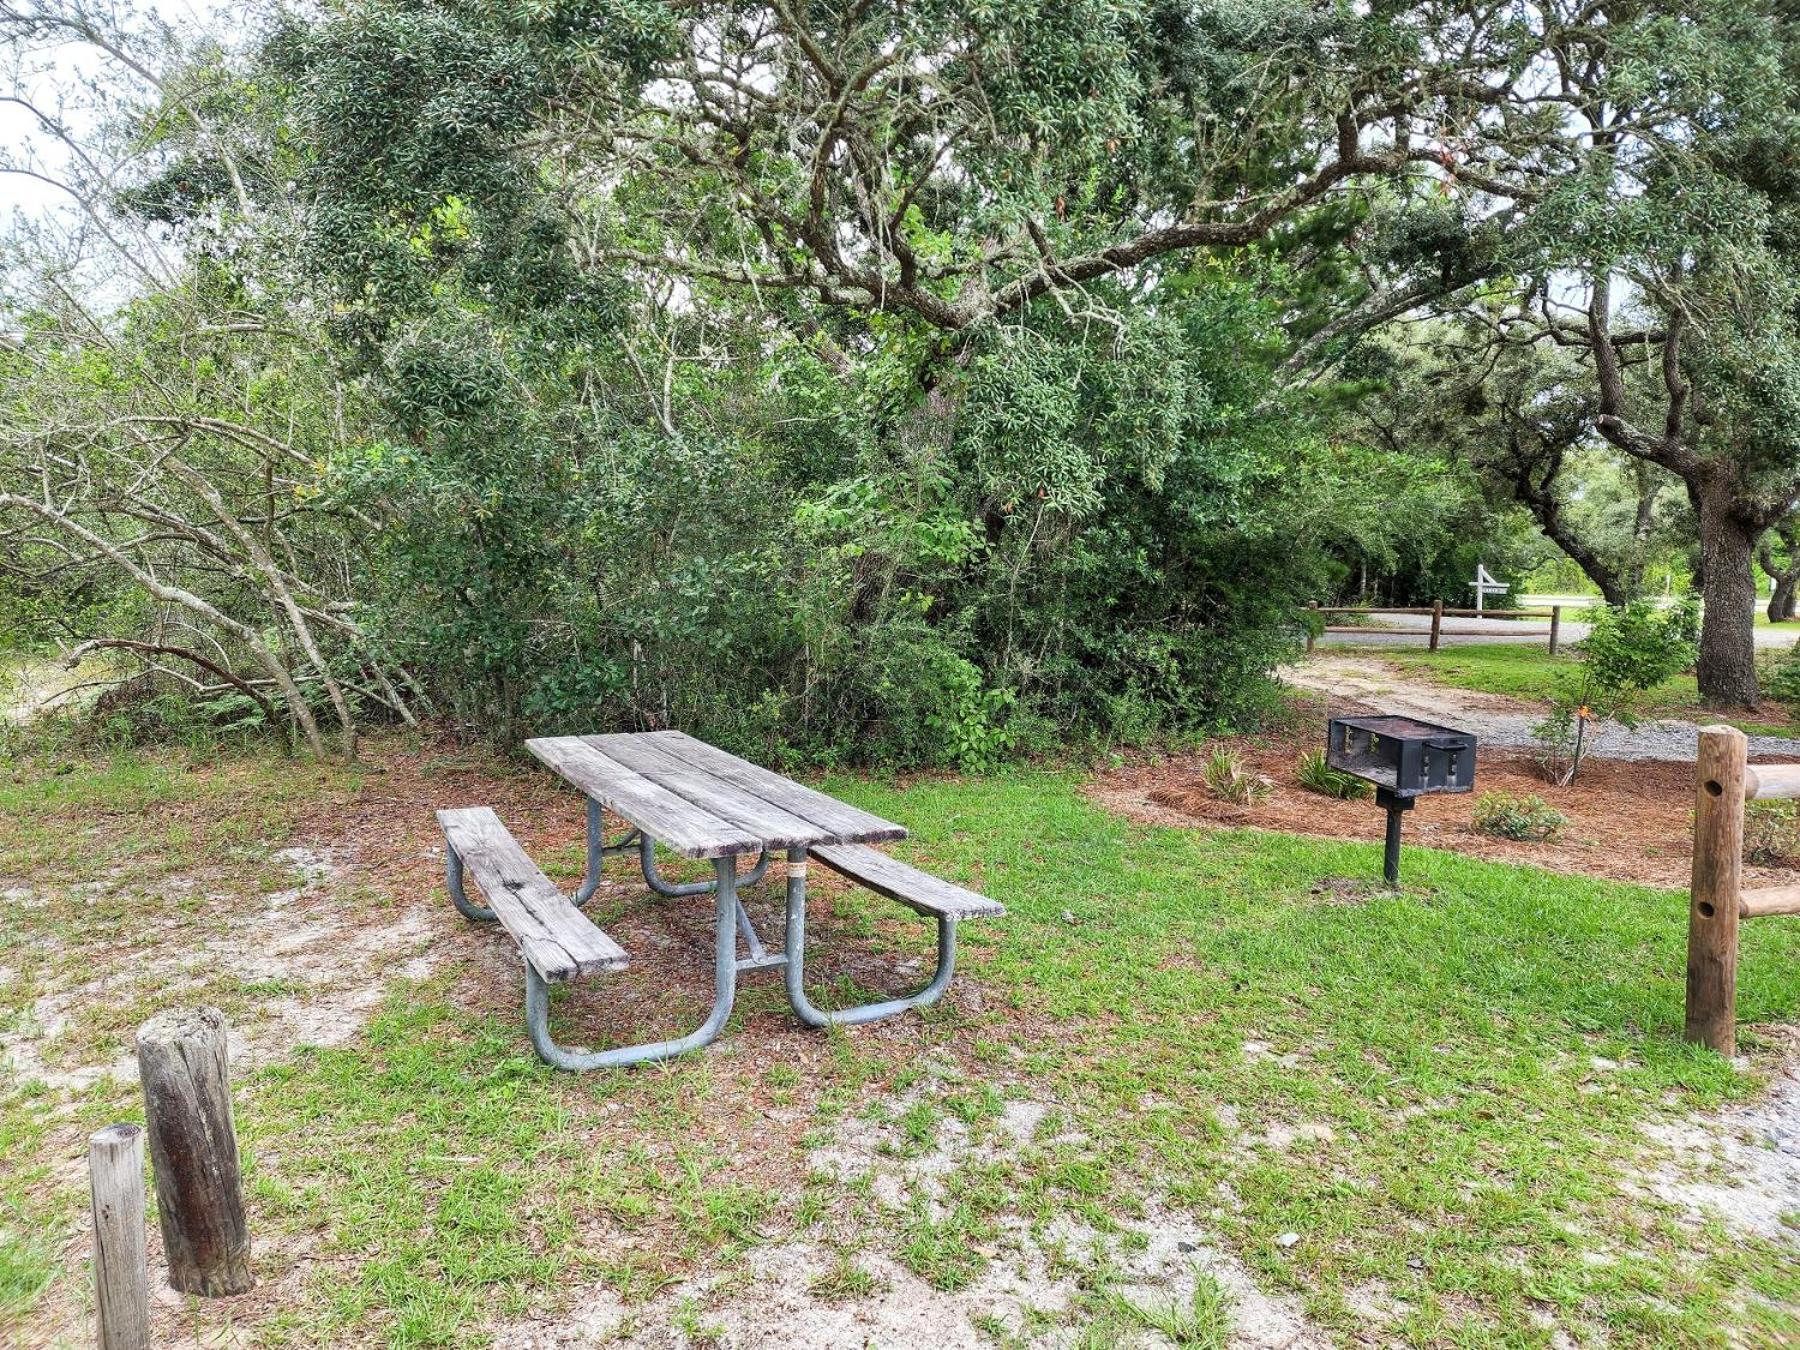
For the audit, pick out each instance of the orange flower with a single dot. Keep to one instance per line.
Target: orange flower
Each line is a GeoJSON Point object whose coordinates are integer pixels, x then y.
{"type": "Point", "coordinates": [1583, 713]}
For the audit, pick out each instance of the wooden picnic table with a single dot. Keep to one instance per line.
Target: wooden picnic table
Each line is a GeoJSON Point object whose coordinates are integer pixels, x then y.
{"type": "Point", "coordinates": [702, 802]}
{"type": "Point", "coordinates": [699, 802]}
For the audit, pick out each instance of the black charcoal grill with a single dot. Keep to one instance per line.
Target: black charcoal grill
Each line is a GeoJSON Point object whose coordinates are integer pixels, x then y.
{"type": "Point", "coordinates": [1405, 759]}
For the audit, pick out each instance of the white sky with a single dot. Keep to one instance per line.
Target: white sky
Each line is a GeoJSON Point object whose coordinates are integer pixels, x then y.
{"type": "Point", "coordinates": [53, 78]}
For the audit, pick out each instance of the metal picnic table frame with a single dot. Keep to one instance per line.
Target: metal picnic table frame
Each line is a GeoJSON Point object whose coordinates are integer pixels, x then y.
{"type": "Point", "coordinates": [610, 772]}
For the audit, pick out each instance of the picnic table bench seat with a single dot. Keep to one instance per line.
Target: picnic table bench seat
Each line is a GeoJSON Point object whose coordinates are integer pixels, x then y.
{"type": "Point", "coordinates": [555, 938]}
{"type": "Point", "coordinates": [921, 891]}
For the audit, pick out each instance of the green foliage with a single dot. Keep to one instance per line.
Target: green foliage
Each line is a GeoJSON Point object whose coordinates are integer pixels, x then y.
{"type": "Point", "coordinates": [1317, 775]}
{"type": "Point", "coordinates": [1630, 650]}
{"type": "Point", "coordinates": [1771, 831]}
{"type": "Point", "coordinates": [1635, 647]}
{"type": "Point", "coordinates": [1781, 678]}
{"type": "Point", "coordinates": [1527, 817]}
{"type": "Point", "coordinates": [1229, 780]}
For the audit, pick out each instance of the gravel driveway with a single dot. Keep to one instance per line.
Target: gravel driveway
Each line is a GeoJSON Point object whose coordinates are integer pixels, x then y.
{"type": "Point", "coordinates": [1493, 718]}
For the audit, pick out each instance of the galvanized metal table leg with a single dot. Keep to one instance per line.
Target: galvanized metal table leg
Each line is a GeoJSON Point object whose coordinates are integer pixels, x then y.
{"type": "Point", "coordinates": [597, 849]}
{"type": "Point", "coordinates": [868, 1012]}
{"type": "Point", "coordinates": [453, 877]}
{"type": "Point", "coordinates": [725, 968]}
{"type": "Point", "coordinates": [654, 878]}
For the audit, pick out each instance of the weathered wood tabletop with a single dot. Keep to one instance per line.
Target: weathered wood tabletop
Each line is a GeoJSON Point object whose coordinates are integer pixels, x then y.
{"type": "Point", "coordinates": [703, 802]}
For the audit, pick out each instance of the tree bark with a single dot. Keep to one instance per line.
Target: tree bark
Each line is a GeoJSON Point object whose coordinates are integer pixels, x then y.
{"type": "Point", "coordinates": [1781, 600]}
{"type": "Point", "coordinates": [194, 1153]}
{"type": "Point", "coordinates": [1726, 670]}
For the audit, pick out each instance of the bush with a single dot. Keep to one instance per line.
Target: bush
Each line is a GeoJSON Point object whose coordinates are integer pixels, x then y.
{"type": "Point", "coordinates": [1316, 775]}
{"type": "Point", "coordinates": [1781, 678]}
{"type": "Point", "coordinates": [1227, 779]}
{"type": "Point", "coordinates": [1637, 646]}
{"type": "Point", "coordinates": [1631, 649]}
{"type": "Point", "coordinates": [1771, 831]}
{"type": "Point", "coordinates": [1525, 818]}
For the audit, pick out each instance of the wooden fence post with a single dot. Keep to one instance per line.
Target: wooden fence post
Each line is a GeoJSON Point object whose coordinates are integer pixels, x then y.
{"type": "Point", "coordinates": [1555, 627]}
{"type": "Point", "coordinates": [1311, 637]}
{"type": "Point", "coordinates": [1437, 623]}
{"type": "Point", "coordinates": [193, 1151]}
{"type": "Point", "coordinates": [121, 1277]}
{"type": "Point", "coordinates": [1717, 878]}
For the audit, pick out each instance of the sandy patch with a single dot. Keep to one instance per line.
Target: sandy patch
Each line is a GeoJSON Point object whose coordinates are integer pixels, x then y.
{"type": "Point", "coordinates": [1740, 1165]}
{"type": "Point", "coordinates": [316, 965]}
{"type": "Point", "coordinates": [1034, 1273]}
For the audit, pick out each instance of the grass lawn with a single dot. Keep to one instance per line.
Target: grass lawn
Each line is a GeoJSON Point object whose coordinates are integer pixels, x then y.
{"type": "Point", "coordinates": [1524, 670]}
{"type": "Point", "coordinates": [1418, 1114]}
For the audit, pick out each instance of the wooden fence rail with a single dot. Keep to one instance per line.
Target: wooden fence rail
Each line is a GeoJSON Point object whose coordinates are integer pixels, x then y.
{"type": "Point", "coordinates": [1438, 614]}
{"type": "Point", "coordinates": [1718, 901]}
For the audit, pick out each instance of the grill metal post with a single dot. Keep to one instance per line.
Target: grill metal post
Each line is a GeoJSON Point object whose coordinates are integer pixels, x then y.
{"type": "Point", "coordinates": [1396, 807]}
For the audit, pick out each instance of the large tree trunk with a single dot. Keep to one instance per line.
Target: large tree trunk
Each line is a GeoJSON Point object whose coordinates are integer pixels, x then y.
{"type": "Point", "coordinates": [1727, 667]}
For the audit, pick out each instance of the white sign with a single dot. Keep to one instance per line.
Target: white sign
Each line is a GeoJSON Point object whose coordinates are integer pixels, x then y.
{"type": "Point", "coordinates": [1485, 585]}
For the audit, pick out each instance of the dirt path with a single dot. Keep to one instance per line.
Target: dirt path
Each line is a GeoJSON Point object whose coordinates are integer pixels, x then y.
{"type": "Point", "coordinates": [1495, 719]}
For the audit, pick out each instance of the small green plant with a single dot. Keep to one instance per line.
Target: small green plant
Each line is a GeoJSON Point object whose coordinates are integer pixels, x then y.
{"type": "Point", "coordinates": [1771, 831]}
{"type": "Point", "coordinates": [1316, 775]}
{"type": "Point", "coordinates": [1630, 650]}
{"type": "Point", "coordinates": [845, 1280]}
{"type": "Point", "coordinates": [1781, 678]}
{"type": "Point", "coordinates": [1227, 779]}
{"type": "Point", "coordinates": [1508, 817]}
{"type": "Point", "coordinates": [1204, 1321]}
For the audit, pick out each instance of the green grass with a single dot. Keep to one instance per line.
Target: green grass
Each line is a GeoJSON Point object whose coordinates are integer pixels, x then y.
{"type": "Point", "coordinates": [1462, 1150]}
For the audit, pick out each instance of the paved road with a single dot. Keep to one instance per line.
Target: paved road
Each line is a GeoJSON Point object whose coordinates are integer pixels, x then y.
{"type": "Point", "coordinates": [1410, 630]}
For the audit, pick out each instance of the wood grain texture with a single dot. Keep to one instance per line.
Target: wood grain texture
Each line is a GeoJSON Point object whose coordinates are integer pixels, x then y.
{"type": "Point", "coordinates": [903, 882]}
{"type": "Point", "coordinates": [121, 1272]}
{"type": "Point", "coordinates": [193, 1152]}
{"type": "Point", "coordinates": [1769, 900]}
{"type": "Point", "coordinates": [662, 765]}
{"type": "Point", "coordinates": [837, 822]}
{"type": "Point", "coordinates": [673, 821]}
{"type": "Point", "coordinates": [1764, 781]}
{"type": "Point", "coordinates": [1713, 895]}
{"type": "Point", "coordinates": [554, 936]}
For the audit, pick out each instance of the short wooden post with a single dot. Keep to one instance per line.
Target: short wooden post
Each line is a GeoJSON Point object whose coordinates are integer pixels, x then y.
{"type": "Point", "coordinates": [1437, 623]}
{"type": "Point", "coordinates": [193, 1151]}
{"type": "Point", "coordinates": [121, 1277]}
{"type": "Point", "coordinates": [1717, 877]}
{"type": "Point", "coordinates": [1555, 627]}
{"type": "Point", "coordinates": [1311, 625]}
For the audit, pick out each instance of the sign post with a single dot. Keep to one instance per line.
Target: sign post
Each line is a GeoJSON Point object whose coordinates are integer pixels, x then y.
{"type": "Point", "coordinates": [1485, 585]}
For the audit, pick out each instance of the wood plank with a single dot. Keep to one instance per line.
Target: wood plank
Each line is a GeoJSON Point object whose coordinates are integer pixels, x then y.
{"type": "Point", "coordinates": [903, 882]}
{"type": "Point", "coordinates": [1763, 781]}
{"type": "Point", "coordinates": [674, 822]}
{"type": "Point", "coordinates": [1766, 900]}
{"type": "Point", "coordinates": [662, 765]}
{"type": "Point", "coordinates": [838, 822]}
{"type": "Point", "coordinates": [558, 940]}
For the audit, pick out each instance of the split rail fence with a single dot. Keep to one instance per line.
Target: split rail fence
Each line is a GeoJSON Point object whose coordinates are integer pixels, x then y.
{"type": "Point", "coordinates": [1438, 614]}
{"type": "Point", "coordinates": [1719, 903]}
